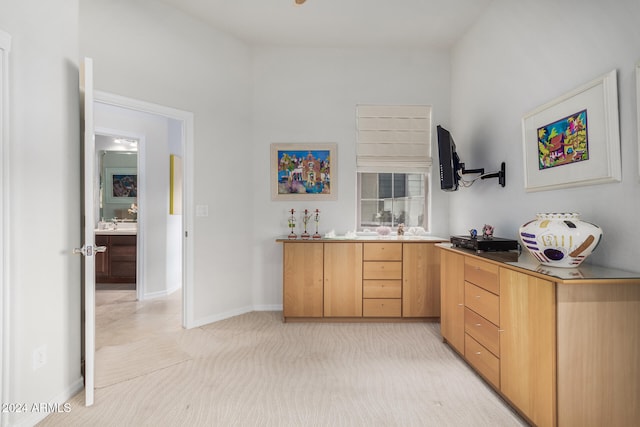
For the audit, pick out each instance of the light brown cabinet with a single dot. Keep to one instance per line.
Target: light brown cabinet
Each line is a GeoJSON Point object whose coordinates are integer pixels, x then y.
{"type": "Point", "coordinates": [342, 280]}
{"type": "Point", "coordinates": [527, 345]}
{"type": "Point", "coordinates": [482, 318]}
{"type": "Point", "coordinates": [303, 280]}
{"type": "Point", "coordinates": [557, 344]}
{"type": "Point", "coordinates": [452, 299]}
{"type": "Point", "coordinates": [357, 280]}
{"type": "Point", "coordinates": [382, 274]}
{"type": "Point", "coordinates": [420, 280]}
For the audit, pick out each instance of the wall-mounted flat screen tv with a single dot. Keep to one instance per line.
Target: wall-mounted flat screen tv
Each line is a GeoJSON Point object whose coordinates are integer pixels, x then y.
{"type": "Point", "coordinates": [449, 161]}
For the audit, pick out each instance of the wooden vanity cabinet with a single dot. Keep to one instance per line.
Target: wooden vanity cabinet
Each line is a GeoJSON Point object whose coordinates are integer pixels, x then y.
{"type": "Point", "coordinates": [118, 264]}
{"type": "Point", "coordinates": [102, 259]}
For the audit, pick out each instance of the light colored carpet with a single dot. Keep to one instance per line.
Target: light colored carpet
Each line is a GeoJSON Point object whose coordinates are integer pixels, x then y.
{"type": "Point", "coordinates": [254, 370]}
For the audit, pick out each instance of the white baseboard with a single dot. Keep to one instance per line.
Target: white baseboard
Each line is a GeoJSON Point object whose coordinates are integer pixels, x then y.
{"type": "Point", "coordinates": [39, 412]}
{"type": "Point", "coordinates": [221, 316]}
{"type": "Point", "coordinates": [268, 307]}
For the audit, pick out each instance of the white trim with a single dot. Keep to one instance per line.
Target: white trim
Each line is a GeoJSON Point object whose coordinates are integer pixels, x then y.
{"type": "Point", "coordinates": [36, 417]}
{"type": "Point", "coordinates": [268, 307]}
{"type": "Point", "coordinates": [5, 48]}
{"type": "Point", "coordinates": [187, 118]}
{"type": "Point", "coordinates": [222, 316]}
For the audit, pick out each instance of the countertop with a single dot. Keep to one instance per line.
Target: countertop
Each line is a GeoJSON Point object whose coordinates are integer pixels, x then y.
{"type": "Point", "coordinates": [585, 273]}
{"type": "Point", "coordinates": [367, 238]}
{"type": "Point", "coordinates": [122, 229]}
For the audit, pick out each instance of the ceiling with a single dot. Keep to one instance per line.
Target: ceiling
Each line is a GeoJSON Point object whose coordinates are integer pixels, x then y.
{"type": "Point", "coordinates": [339, 23]}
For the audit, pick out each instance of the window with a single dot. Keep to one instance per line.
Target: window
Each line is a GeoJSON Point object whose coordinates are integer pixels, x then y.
{"type": "Point", "coordinates": [393, 165]}
{"type": "Point", "coordinates": [389, 199]}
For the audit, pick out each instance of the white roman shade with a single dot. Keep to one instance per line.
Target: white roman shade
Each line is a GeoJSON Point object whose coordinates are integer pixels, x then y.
{"type": "Point", "coordinates": [394, 138]}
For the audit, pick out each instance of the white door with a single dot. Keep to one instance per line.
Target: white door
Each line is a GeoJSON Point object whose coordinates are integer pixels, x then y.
{"type": "Point", "coordinates": [89, 249]}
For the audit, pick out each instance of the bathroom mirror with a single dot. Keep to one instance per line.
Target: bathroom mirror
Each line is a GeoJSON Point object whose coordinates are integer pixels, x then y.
{"type": "Point", "coordinates": [117, 178]}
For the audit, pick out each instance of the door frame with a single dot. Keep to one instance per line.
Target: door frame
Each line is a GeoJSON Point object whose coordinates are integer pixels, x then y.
{"type": "Point", "coordinates": [187, 120]}
{"type": "Point", "coordinates": [5, 48]}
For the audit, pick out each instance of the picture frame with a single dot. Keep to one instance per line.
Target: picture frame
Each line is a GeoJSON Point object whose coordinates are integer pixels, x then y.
{"type": "Point", "coordinates": [121, 185]}
{"type": "Point", "coordinates": [574, 140]}
{"type": "Point", "coordinates": [304, 171]}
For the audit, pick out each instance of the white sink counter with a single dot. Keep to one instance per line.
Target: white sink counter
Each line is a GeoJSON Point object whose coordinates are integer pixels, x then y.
{"type": "Point", "coordinates": [121, 229]}
{"type": "Point", "coordinates": [117, 232]}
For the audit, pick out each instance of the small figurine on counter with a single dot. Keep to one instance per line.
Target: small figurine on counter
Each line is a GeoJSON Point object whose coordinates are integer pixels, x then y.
{"type": "Point", "coordinates": [401, 229]}
{"type": "Point", "coordinates": [292, 225]}
{"type": "Point", "coordinates": [487, 231]}
{"type": "Point", "coordinates": [473, 233]}
{"type": "Point", "coordinates": [316, 218]}
{"type": "Point", "coordinates": [305, 219]}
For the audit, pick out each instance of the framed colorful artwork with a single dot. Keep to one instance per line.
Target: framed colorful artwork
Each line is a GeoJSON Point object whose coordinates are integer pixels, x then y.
{"type": "Point", "coordinates": [574, 140]}
{"type": "Point", "coordinates": [122, 185]}
{"type": "Point", "coordinates": [304, 171]}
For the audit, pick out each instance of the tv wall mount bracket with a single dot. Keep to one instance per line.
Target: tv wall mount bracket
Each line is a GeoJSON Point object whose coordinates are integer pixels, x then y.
{"type": "Point", "coordinates": [501, 174]}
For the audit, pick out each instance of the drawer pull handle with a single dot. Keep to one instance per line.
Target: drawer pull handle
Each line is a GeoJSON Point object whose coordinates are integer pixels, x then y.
{"type": "Point", "coordinates": [460, 305]}
{"type": "Point", "coordinates": [500, 330]}
{"type": "Point", "coordinates": [478, 353]}
{"type": "Point", "coordinates": [477, 296]}
{"type": "Point", "coordinates": [478, 324]}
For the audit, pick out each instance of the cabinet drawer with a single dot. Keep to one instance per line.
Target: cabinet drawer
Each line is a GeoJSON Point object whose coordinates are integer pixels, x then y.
{"type": "Point", "coordinates": [382, 288]}
{"type": "Point", "coordinates": [482, 360]}
{"type": "Point", "coordinates": [483, 331]}
{"type": "Point", "coordinates": [482, 302]}
{"type": "Point", "coordinates": [483, 274]}
{"type": "Point", "coordinates": [123, 240]}
{"type": "Point", "coordinates": [383, 251]}
{"type": "Point", "coordinates": [128, 252]}
{"type": "Point", "coordinates": [382, 307]}
{"type": "Point", "coordinates": [382, 270]}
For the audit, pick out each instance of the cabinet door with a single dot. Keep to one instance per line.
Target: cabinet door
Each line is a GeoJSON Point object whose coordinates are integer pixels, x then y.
{"type": "Point", "coordinates": [421, 280]}
{"type": "Point", "coordinates": [122, 260]}
{"type": "Point", "coordinates": [102, 259]}
{"type": "Point", "coordinates": [452, 304]}
{"type": "Point", "coordinates": [343, 280]}
{"type": "Point", "coordinates": [302, 281]}
{"type": "Point", "coordinates": [528, 345]}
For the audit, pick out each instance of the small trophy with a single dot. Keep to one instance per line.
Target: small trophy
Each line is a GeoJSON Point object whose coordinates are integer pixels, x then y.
{"type": "Point", "coordinates": [305, 219]}
{"type": "Point", "coordinates": [292, 225]}
{"type": "Point", "coordinates": [316, 218]}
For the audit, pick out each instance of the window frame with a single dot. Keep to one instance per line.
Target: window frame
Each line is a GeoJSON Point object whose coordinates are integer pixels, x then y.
{"type": "Point", "coordinates": [426, 207]}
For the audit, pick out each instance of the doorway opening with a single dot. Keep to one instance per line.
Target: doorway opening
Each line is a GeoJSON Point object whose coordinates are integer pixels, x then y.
{"type": "Point", "coordinates": [164, 248]}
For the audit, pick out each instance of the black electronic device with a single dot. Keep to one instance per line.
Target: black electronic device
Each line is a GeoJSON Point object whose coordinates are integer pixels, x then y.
{"type": "Point", "coordinates": [480, 244]}
{"type": "Point", "coordinates": [451, 167]}
{"type": "Point", "coordinates": [449, 160]}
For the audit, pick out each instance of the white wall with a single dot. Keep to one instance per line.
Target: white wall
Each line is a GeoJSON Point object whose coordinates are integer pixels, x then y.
{"type": "Point", "coordinates": [44, 159]}
{"type": "Point", "coordinates": [310, 95]}
{"type": "Point", "coordinates": [145, 50]}
{"type": "Point", "coordinates": [518, 56]}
